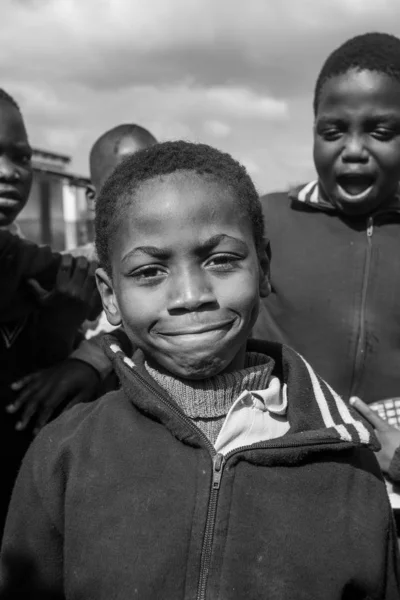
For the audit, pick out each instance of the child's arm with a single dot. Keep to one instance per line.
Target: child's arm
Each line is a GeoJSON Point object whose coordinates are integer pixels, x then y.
{"type": "Point", "coordinates": [31, 561]}
{"type": "Point", "coordinates": [21, 260]}
{"type": "Point", "coordinates": [77, 379]}
{"type": "Point", "coordinates": [70, 302]}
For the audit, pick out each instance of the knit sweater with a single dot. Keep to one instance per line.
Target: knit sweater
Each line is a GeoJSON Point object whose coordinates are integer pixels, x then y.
{"type": "Point", "coordinates": [208, 401]}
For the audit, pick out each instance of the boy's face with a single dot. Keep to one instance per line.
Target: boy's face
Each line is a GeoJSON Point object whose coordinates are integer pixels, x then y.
{"type": "Point", "coordinates": [357, 140]}
{"type": "Point", "coordinates": [15, 164]}
{"type": "Point", "coordinates": [186, 278]}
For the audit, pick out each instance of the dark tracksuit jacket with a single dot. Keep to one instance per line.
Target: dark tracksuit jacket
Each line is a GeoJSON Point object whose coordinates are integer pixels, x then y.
{"type": "Point", "coordinates": [126, 498]}
{"type": "Point", "coordinates": [31, 338]}
{"type": "Point", "coordinates": [335, 291]}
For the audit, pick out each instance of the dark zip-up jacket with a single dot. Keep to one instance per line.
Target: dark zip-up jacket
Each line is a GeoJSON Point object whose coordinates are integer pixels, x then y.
{"type": "Point", "coordinates": [126, 498]}
{"type": "Point", "coordinates": [335, 291]}
{"type": "Point", "coordinates": [32, 337]}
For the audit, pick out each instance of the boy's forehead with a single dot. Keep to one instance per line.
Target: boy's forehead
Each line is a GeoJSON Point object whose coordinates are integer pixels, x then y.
{"type": "Point", "coordinates": [183, 200]}
{"type": "Point", "coordinates": [184, 191]}
{"type": "Point", "coordinates": [11, 122]}
{"type": "Point", "coordinates": [377, 91]}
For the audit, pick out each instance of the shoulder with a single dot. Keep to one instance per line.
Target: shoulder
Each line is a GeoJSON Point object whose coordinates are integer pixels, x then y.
{"type": "Point", "coordinates": [278, 200]}
{"type": "Point", "coordinates": [277, 212]}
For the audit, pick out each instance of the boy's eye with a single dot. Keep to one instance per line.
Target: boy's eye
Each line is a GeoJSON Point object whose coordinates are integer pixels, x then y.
{"type": "Point", "coordinates": [148, 274]}
{"type": "Point", "coordinates": [223, 262]}
{"type": "Point", "coordinates": [23, 158]}
{"type": "Point", "coordinates": [331, 135]}
{"type": "Point", "coordinates": [383, 134]}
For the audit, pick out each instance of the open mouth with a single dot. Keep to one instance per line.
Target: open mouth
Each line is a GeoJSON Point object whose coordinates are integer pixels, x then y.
{"type": "Point", "coordinates": [355, 186]}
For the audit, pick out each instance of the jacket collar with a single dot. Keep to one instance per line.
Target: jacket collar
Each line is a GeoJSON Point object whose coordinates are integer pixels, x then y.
{"type": "Point", "coordinates": [315, 411]}
{"type": "Point", "coordinates": [312, 196]}
{"type": "Point", "coordinates": [13, 228]}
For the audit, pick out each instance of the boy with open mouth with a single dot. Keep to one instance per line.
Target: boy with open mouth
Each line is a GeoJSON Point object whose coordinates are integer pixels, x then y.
{"type": "Point", "coordinates": [336, 240]}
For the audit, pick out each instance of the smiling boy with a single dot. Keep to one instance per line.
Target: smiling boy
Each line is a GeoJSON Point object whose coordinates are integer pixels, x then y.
{"type": "Point", "coordinates": [336, 241]}
{"type": "Point", "coordinates": [222, 468]}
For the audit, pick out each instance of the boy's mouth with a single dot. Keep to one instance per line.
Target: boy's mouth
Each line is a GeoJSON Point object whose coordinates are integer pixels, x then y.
{"type": "Point", "coordinates": [198, 329]}
{"type": "Point", "coordinates": [355, 186]}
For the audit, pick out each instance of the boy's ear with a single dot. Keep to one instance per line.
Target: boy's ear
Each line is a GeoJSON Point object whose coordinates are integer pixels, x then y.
{"type": "Point", "coordinates": [90, 192]}
{"type": "Point", "coordinates": [265, 261]}
{"type": "Point", "coordinates": [108, 298]}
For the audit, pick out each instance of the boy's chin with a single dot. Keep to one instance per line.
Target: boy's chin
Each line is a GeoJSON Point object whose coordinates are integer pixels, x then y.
{"type": "Point", "coordinates": [357, 208]}
{"type": "Point", "coordinates": [195, 368]}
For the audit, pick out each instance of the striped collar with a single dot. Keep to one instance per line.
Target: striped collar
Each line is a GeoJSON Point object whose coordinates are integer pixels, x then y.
{"type": "Point", "coordinates": [314, 410]}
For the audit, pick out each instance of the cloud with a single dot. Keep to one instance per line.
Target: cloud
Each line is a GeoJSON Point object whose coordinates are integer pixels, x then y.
{"type": "Point", "coordinates": [273, 46]}
{"type": "Point", "coordinates": [243, 102]}
{"type": "Point", "coordinates": [217, 129]}
{"type": "Point", "coordinates": [232, 73]}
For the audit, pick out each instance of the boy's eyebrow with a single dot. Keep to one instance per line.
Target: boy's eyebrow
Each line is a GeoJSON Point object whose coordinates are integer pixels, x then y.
{"type": "Point", "coordinates": [373, 116]}
{"type": "Point", "coordinates": [164, 254]}
{"type": "Point", "coordinates": [217, 239]}
{"type": "Point", "coordinates": [383, 116]}
{"type": "Point", "coordinates": [150, 251]}
{"type": "Point", "coordinates": [328, 120]}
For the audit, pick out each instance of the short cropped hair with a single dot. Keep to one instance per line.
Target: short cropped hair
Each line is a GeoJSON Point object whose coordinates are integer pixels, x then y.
{"type": "Point", "coordinates": [5, 96]}
{"type": "Point", "coordinates": [115, 135]}
{"type": "Point", "coordinates": [378, 52]}
{"type": "Point", "coordinates": [164, 159]}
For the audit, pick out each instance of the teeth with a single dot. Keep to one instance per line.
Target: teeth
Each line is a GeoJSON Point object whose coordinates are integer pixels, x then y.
{"type": "Point", "coordinates": [359, 196]}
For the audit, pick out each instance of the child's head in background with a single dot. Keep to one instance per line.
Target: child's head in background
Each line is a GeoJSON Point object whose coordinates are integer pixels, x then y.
{"type": "Point", "coordinates": [15, 161]}
{"type": "Point", "coordinates": [180, 238]}
{"type": "Point", "coordinates": [357, 123]}
{"type": "Point", "coordinates": [112, 147]}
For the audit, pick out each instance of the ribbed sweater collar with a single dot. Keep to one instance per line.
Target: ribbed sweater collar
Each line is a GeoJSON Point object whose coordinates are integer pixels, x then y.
{"type": "Point", "coordinates": [213, 397]}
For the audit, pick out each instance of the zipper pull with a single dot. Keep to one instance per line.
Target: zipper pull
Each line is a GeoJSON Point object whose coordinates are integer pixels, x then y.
{"type": "Point", "coordinates": [218, 461]}
{"type": "Point", "coordinates": [370, 227]}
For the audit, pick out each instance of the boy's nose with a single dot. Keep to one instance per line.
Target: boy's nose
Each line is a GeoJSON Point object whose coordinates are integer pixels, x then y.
{"type": "Point", "coordinates": [190, 291]}
{"type": "Point", "coordinates": [8, 170]}
{"type": "Point", "coordinates": [355, 151]}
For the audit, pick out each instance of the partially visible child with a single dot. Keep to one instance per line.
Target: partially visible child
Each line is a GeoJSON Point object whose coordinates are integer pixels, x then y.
{"type": "Point", "coordinates": [336, 240]}
{"type": "Point", "coordinates": [222, 468]}
{"type": "Point", "coordinates": [33, 333]}
{"type": "Point", "coordinates": [77, 379]}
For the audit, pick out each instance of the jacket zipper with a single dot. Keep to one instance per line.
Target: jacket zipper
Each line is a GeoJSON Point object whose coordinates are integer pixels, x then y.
{"type": "Point", "coordinates": [206, 550]}
{"type": "Point", "coordinates": [219, 461]}
{"type": "Point", "coordinates": [360, 350]}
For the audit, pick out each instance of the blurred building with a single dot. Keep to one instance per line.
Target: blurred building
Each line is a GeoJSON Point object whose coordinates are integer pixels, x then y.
{"type": "Point", "coordinates": [58, 211]}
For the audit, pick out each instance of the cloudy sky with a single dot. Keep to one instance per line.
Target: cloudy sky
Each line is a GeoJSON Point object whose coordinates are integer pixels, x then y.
{"type": "Point", "coordinates": [237, 74]}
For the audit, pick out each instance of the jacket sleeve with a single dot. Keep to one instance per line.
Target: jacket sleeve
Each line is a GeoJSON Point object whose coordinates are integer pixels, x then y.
{"type": "Point", "coordinates": [386, 548]}
{"type": "Point", "coordinates": [21, 260]}
{"type": "Point", "coordinates": [31, 559]}
{"type": "Point", "coordinates": [392, 591]}
{"type": "Point", "coordinates": [91, 352]}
